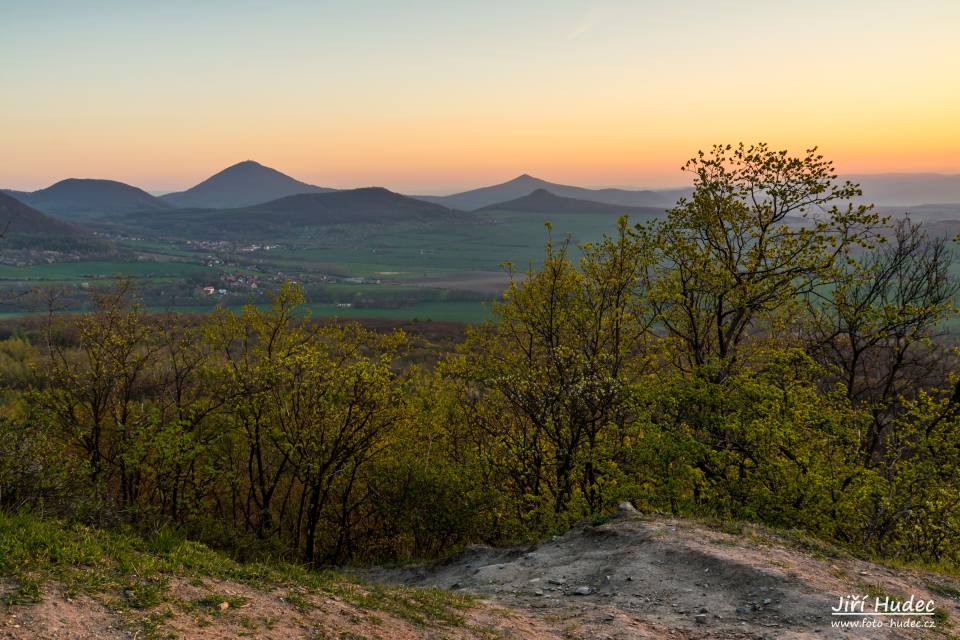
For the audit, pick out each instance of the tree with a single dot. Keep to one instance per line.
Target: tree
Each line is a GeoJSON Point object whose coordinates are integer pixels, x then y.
{"type": "Point", "coordinates": [876, 328]}
{"type": "Point", "coordinates": [95, 395]}
{"type": "Point", "coordinates": [547, 386]}
{"type": "Point", "coordinates": [762, 229]}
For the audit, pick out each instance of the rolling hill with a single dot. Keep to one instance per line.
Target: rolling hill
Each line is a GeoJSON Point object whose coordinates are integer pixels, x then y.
{"type": "Point", "coordinates": [370, 205]}
{"type": "Point", "coordinates": [19, 195]}
{"type": "Point", "coordinates": [544, 202]}
{"type": "Point", "coordinates": [19, 219]}
{"type": "Point", "coordinates": [902, 189]}
{"type": "Point", "coordinates": [241, 185]}
{"type": "Point", "coordinates": [526, 184]}
{"type": "Point", "coordinates": [76, 197]}
{"type": "Point", "coordinates": [26, 231]}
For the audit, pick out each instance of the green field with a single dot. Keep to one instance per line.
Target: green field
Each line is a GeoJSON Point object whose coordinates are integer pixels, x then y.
{"type": "Point", "coordinates": [484, 244]}
{"type": "Point", "coordinates": [70, 271]}
{"type": "Point", "coordinates": [437, 271]}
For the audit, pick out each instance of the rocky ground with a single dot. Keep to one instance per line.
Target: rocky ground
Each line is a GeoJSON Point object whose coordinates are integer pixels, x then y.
{"type": "Point", "coordinates": [632, 577]}
{"type": "Point", "coordinates": [637, 577]}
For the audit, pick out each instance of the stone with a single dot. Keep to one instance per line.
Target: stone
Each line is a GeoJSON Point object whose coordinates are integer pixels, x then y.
{"type": "Point", "coordinates": [700, 618]}
{"type": "Point", "coordinates": [582, 591]}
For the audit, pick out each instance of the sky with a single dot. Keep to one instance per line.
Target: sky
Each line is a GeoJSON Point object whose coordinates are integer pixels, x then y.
{"type": "Point", "coordinates": [436, 96]}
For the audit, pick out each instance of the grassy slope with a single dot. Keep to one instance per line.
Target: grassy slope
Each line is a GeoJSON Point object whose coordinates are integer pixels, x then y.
{"type": "Point", "coordinates": [132, 577]}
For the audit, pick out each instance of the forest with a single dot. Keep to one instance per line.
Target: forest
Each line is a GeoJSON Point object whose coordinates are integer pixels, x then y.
{"type": "Point", "coordinates": [770, 351]}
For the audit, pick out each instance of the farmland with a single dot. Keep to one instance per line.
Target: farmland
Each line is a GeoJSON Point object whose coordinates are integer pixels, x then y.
{"type": "Point", "coordinates": [399, 270]}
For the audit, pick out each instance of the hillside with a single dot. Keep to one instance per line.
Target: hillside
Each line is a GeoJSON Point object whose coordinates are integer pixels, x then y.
{"type": "Point", "coordinates": [371, 205]}
{"type": "Point", "coordinates": [27, 232]}
{"type": "Point", "coordinates": [241, 185]}
{"type": "Point", "coordinates": [633, 577]}
{"type": "Point", "coordinates": [76, 197]}
{"type": "Point", "coordinates": [18, 219]}
{"type": "Point", "coordinates": [19, 195]}
{"type": "Point", "coordinates": [527, 184]}
{"type": "Point", "coordinates": [544, 202]}
{"type": "Point", "coordinates": [653, 577]}
{"type": "Point", "coordinates": [906, 189]}
{"type": "Point", "coordinates": [366, 205]}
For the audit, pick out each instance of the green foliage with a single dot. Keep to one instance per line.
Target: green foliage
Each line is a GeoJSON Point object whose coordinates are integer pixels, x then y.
{"type": "Point", "coordinates": [767, 353]}
{"type": "Point", "coordinates": [138, 570]}
{"type": "Point", "coordinates": [547, 386]}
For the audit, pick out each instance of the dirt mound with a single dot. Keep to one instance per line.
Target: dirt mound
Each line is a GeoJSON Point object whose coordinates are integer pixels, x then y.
{"type": "Point", "coordinates": [641, 577]}
{"type": "Point", "coordinates": [634, 577]}
{"type": "Point", "coordinates": [241, 611]}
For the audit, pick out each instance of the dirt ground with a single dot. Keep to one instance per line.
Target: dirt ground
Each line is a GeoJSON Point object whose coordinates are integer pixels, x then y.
{"type": "Point", "coordinates": [633, 577]}
{"type": "Point", "coordinates": [639, 577]}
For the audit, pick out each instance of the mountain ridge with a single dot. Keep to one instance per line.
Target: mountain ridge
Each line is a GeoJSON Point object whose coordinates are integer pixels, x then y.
{"type": "Point", "coordinates": [366, 205]}
{"type": "Point", "coordinates": [547, 202]}
{"type": "Point", "coordinates": [82, 197]}
{"type": "Point", "coordinates": [525, 184]}
{"type": "Point", "coordinates": [243, 184]}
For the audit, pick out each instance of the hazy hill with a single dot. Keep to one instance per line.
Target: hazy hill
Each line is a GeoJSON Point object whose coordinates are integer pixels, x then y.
{"type": "Point", "coordinates": [76, 197]}
{"type": "Point", "coordinates": [366, 205]}
{"type": "Point", "coordinates": [18, 219]}
{"type": "Point", "coordinates": [30, 235]}
{"type": "Point", "coordinates": [542, 201]}
{"type": "Point", "coordinates": [19, 195]}
{"type": "Point", "coordinates": [244, 184]}
{"type": "Point", "coordinates": [526, 184]}
{"type": "Point", "coordinates": [903, 189]}
{"type": "Point", "coordinates": [371, 205]}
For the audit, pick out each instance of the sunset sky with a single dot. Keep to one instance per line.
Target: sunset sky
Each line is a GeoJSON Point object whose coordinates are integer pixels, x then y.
{"type": "Point", "coordinates": [424, 96]}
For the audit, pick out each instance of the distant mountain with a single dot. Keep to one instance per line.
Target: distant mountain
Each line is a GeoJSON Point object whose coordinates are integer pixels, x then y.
{"type": "Point", "coordinates": [77, 197]}
{"type": "Point", "coordinates": [526, 184]}
{"type": "Point", "coordinates": [902, 189]}
{"type": "Point", "coordinates": [371, 205]}
{"type": "Point", "coordinates": [545, 202]}
{"type": "Point", "coordinates": [27, 231]}
{"type": "Point", "coordinates": [19, 195]}
{"type": "Point", "coordinates": [244, 184]}
{"type": "Point", "coordinates": [926, 213]}
{"type": "Point", "coordinates": [17, 218]}
{"type": "Point", "coordinates": [366, 205]}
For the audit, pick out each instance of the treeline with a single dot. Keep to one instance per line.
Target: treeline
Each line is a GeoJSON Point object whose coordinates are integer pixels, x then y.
{"type": "Point", "coordinates": [770, 351]}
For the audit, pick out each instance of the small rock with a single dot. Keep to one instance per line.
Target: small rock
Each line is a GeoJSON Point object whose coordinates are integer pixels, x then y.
{"type": "Point", "coordinates": [456, 585]}
{"type": "Point", "coordinates": [703, 610]}
{"type": "Point", "coordinates": [223, 606]}
{"type": "Point", "coordinates": [629, 578]}
{"type": "Point", "coordinates": [582, 591]}
{"type": "Point", "coordinates": [743, 609]}
{"type": "Point", "coordinates": [767, 601]}
{"type": "Point", "coordinates": [558, 581]}
{"type": "Point", "coordinates": [701, 618]}
{"type": "Point", "coordinates": [626, 507]}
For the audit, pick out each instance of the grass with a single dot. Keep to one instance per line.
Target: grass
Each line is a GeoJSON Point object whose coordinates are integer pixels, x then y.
{"type": "Point", "coordinates": [68, 271]}
{"type": "Point", "coordinates": [126, 571]}
{"type": "Point", "coordinates": [401, 254]}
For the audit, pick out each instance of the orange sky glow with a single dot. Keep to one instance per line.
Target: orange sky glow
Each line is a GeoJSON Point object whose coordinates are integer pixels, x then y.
{"type": "Point", "coordinates": [431, 97]}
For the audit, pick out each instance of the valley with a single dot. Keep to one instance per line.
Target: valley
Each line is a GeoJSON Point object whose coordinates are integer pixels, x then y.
{"type": "Point", "coordinates": [237, 236]}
